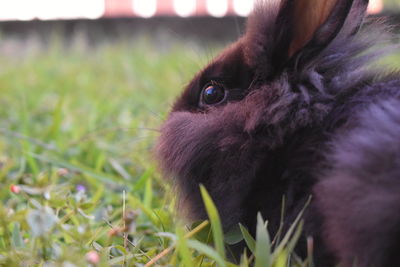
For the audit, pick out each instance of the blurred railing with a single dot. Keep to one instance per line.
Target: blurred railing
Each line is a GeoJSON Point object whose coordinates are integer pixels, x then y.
{"type": "Point", "coordinates": [94, 9]}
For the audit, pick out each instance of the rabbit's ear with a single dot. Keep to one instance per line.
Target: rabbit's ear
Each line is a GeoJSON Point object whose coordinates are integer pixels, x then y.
{"type": "Point", "coordinates": [309, 15]}
{"type": "Point", "coordinates": [317, 23]}
{"type": "Point", "coordinates": [278, 31]}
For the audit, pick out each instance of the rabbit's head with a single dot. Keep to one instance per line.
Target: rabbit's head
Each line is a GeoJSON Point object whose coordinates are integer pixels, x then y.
{"type": "Point", "coordinates": [238, 123]}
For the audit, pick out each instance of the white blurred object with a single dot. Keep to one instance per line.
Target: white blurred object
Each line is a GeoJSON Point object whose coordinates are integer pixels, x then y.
{"type": "Point", "coordinates": [51, 9]}
{"type": "Point", "coordinates": [144, 8]}
{"type": "Point", "coordinates": [217, 8]}
{"type": "Point", "coordinates": [185, 8]}
{"type": "Point", "coordinates": [93, 9]}
{"type": "Point", "coordinates": [11, 10]}
{"type": "Point", "coordinates": [243, 7]}
{"type": "Point", "coordinates": [375, 6]}
{"type": "Point", "coordinates": [69, 9]}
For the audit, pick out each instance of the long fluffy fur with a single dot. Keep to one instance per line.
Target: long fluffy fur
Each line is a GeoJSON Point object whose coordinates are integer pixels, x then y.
{"type": "Point", "coordinates": [325, 124]}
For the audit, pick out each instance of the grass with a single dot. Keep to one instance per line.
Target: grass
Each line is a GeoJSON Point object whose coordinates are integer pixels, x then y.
{"type": "Point", "coordinates": [78, 183]}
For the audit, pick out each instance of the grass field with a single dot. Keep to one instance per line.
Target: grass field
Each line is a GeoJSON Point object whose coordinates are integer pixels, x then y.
{"type": "Point", "coordinates": [78, 183]}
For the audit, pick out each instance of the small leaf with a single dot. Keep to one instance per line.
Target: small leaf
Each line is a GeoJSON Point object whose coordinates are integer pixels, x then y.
{"type": "Point", "coordinates": [121, 260]}
{"type": "Point", "coordinates": [233, 236]}
{"type": "Point", "coordinates": [33, 190]}
{"type": "Point", "coordinates": [244, 260]}
{"type": "Point", "coordinates": [86, 205]}
{"type": "Point", "coordinates": [16, 236]}
{"type": "Point", "coordinates": [41, 221]}
{"type": "Point", "coordinates": [97, 246]}
{"type": "Point", "coordinates": [81, 212]}
{"type": "Point", "coordinates": [282, 259]}
{"type": "Point", "coordinates": [120, 169]}
{"type": "Point", "coordinates": [263, 245]}
{"type": "Point", "coordinates": [148, 194]}
{"type": "Point", "coordinates": [121, 249]}
{"type": "Point", "coordinates": [250, 242]}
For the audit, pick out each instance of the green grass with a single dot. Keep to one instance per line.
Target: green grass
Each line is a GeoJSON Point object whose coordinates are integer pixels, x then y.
{"type": "Point", "coordinates": [77, 126]}
{"type": "Point", "coordinates": [78, 181]}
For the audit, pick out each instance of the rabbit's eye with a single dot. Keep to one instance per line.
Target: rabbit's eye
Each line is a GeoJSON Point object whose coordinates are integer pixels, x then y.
{"type": "Point", "coordinates": [213, 94]}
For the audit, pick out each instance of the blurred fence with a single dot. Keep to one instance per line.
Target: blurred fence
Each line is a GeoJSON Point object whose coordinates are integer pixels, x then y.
{"type": "Point", "coordinates": [98, 20]}
{"type": "Point", "coordinates": [93, 9]}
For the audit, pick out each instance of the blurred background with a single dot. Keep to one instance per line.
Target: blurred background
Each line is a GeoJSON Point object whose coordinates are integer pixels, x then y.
{"type": "Point", "coordinates": [216, 20]}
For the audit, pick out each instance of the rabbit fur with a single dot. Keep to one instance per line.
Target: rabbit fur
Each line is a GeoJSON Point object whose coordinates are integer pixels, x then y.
{"type": "Point", "coordinates": [304, 114]}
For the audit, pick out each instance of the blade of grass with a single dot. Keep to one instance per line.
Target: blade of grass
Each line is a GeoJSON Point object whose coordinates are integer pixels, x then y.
{"type": "Point", "coordinates": [250, 242]}
{"type": "Point", "coordinates": [106, 178]}
{"type": "Point", "coordinates": [183, 249]}
{"type": "Point", "coordinates": [148, 194]}
{"type": "Point", "coordinates": [263, 244]}
{"type": "Point", "coordinates": [295, 238]}
{"type": "Point", "coordinates": [208, 251]}
{"type": "Point", "coordinates": [141, 182]}
{"type": "Point", "coordinates": [292, 228]}
{"type": "Point", "coordinates": [56, 121]}
{"type": "Point", "coordinates": [169, 249]}
{"type": "Point", "coordinates": [215, 221]}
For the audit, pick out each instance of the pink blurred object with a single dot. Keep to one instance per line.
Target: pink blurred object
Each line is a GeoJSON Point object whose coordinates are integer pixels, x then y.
{"type": "Point", "coordinates": [93, 257]}
{"type": "Point", "coordinates": [116, 8]}
{"type": "Point", "coordinates": [15, 189]}
{"type": "Point", "coordinates": [375, 6]}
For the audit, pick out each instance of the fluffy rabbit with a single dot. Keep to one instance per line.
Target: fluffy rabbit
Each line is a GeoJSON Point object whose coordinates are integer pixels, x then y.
{"type": "Point", "coordinates": [294, 109]}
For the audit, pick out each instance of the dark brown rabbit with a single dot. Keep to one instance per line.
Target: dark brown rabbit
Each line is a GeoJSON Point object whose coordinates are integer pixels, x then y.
{"type": "Point", "coordinates": [294, 109]}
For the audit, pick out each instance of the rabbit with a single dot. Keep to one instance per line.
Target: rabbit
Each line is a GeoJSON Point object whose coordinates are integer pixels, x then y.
{"type": "Point", "coordinates": [294, 108]}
